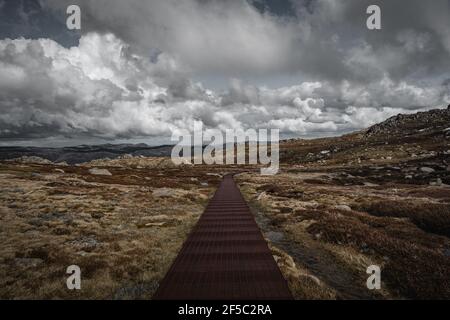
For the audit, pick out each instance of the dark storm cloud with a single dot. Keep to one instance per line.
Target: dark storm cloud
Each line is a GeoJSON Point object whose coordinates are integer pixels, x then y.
{"type": "Point", "coordinates": [28, 19]}
{"type": "Point", "coordinates": [131, 74]}
{"type": "Point", "coordinates": [414, 41]}
{"type": "Point", "coordinates": [276, 7]}
{"type": "Point", "coordinates": [326, 39]}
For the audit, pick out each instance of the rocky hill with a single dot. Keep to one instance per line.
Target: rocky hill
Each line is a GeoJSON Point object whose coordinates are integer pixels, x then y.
{"type": "Point", "coordinates": [420, 136]}
{"type": "Point", "coordinates": [434, 120]}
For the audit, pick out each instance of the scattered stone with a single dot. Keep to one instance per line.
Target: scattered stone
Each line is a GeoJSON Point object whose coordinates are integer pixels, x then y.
{"type": "Point", "coordinates": [59, 170]}
{"type": "Point", "coordinates": [85, 243]}
{"type": "Point", "coordinates": [204, 184]}
{"type": "Point", "coordinates": [214, 174]}
{"type": "Point", "coordinates": [369, 184]}
{"type": "Point", "coordinates": [427, 170]}
{"type": "Point", "coordinates": [125, 156]}
{"type": "Point", "coordinates": [437, 183]}
{"type": "Point", "coordinates": [343, 207]}
{"type": "Point", "coordinates": [32, 159]}
{"type": "Point", "coordinates": [100, 172]}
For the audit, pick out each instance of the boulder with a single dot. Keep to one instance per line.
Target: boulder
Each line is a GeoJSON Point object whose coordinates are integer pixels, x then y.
{"type": "Point", "coordinates": [343, 207]}
{"type": "Point", "coordinates": [100, 172]}
{"type": "Point", "coordinates": [427, 170]}
{"type": "Point", "coordinates": [437, 183]}
{"type": "Point", "coordinates": [369, 184]}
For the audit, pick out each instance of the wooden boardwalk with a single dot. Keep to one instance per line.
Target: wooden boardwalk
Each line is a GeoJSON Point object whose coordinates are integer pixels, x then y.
{"type": "Point", "coordinates": [225, 256]}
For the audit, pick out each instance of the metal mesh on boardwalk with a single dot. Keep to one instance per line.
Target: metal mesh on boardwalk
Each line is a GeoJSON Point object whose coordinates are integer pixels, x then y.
{"type": "Point", "coordinates": [225, 256]}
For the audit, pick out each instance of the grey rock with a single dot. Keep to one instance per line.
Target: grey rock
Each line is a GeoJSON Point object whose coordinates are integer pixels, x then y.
{"type": "Point", "coordinates": [343, 207]}
{"type": "Point", "coordinates": [100, 172]}
{"type": "Point", "coordinates": [427, 170]}
{"type": "Point", "coordinates": [85, 243]}
{"type": "Point", "coordinates": [436, 183]}
{"type": "Point", "coordinates": [369, 184]}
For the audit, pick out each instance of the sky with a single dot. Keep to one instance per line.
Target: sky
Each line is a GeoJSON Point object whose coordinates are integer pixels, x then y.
{"type": "Point", "coordinates": [140, 71]}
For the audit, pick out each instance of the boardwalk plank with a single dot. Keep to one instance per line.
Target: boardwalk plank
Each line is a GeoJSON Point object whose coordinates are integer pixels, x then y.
{"type": "Point", "coordinates": [225, 256]}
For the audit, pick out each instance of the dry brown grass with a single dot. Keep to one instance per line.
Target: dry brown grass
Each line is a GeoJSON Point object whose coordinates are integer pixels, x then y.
{"type": "Point", "coordinates": [303, 284]}
{"type": "Point", "coordinates": [430, 217]}
{"type": "Point", "coordinates": [411, 269]}
{"type": "Point", "coordinates": [105, 225]}
{"type": "Point", "coordinates": [346, 228]}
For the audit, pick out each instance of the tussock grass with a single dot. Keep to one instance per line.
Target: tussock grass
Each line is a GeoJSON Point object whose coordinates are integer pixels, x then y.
{"type": "Point", "coordinates": [413, 270]}
{"type": "Point", "coordinates": [430, 217]}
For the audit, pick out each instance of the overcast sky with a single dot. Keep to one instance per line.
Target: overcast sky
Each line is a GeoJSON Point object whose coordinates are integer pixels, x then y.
{"type": "Point", "coordinates": [139, 70]}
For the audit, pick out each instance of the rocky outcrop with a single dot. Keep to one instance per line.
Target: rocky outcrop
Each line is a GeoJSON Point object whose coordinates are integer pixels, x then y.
{"type": "Point", "coordinates": [420, 122]}
{"type": "Point", "coordinates": [32, 159]}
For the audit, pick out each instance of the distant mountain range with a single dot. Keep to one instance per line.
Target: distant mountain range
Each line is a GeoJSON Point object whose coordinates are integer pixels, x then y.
{"type": "Point", "coordinates": [85, 153]}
